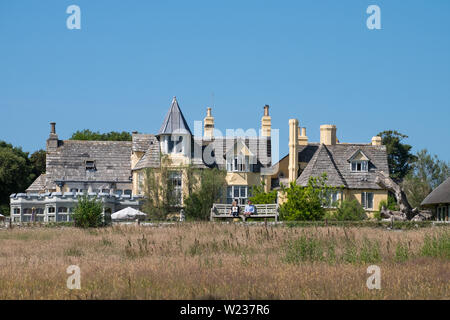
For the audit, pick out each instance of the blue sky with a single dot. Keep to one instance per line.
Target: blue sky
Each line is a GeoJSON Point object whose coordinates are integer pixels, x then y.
{"type": "Point", "coordinates": [311, 60]}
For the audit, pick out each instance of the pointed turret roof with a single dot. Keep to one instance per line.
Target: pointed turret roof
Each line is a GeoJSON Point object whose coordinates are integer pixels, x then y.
{"type": "Point", "coordinates": [175, 121]}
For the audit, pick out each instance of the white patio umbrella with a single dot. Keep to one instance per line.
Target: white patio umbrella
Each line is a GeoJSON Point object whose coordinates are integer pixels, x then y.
{"type": "Point", "coordinates": [127, 213]}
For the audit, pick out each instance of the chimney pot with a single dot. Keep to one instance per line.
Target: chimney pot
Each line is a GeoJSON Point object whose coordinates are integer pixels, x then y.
{"type": "Point", "coordinates": [266, 110]}
{"type": "Point", "coordinates": [53, 127]}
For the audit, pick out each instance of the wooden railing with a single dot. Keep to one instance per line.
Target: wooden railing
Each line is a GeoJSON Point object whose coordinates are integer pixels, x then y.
{"type": "Point", "coordinates": [223, 211]}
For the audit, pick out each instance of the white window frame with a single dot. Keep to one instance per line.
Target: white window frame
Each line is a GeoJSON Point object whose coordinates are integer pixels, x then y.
{"type": "Point", "coordinates": [239, 163]}
{"type": "Point", "coordinates": [364, 165]}
{"type": "Point", "coordinates": [365, 200]}
{"type": "Point", "coordinates": [178, 189]}
{"type": "Point", "coordinates": [242, 199]}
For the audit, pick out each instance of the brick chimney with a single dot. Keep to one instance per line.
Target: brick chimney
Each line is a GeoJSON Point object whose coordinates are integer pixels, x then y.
{"type": "Point", "coordinates": [52, 141]}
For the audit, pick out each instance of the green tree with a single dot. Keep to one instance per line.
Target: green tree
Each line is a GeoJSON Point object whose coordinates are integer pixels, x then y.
{"type": "Point", "coordinates": [199, 203]}
{"type": "Point", "coordinates": [87, 134]}
{"type": "Point", "coordinates": [88, 212]}
{"type": "Point", "coordinates": [399, 155]}
{"type": "Point", "coordinates": [427, 173]}
{"type": "Point", "coordinates": [306, 203]}
{"type": "Point", "coordinates": [259, 196]}
{"type": "Point", "coordinates": [38, 162]}
{"type": "Point", "coordinates": [15, 173]}
{"type": "Point", "coordinates": [350, 210]}
{"type": "Point", "coordinates": [160, 198]}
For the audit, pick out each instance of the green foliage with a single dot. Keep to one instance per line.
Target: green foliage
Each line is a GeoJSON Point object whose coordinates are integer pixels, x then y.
{"type": "Point", "coordinates": [390, 204]}
{"type": "Point", "coordinates": [399, 154]}
{"type": "Point", "coordinates": [259, 196]}
{"type": "Point", "coordinates": [304, 249]}
{"type": "Point", "coordinates": [38, 162]}
{"type": "Point", "coordinates": [306, 203]}
{"type": "Point", "coordinates": [401, 252]}
{"type": "Point", "coordinates": [15, 173]}
{"type": "Point", "coordinates": [87, 134]}
{"type": "Point", "coordinates": [88, 212]}
{"type": "Point", "coordinates": [350, 210]}
{"type": "Point", "coordinates": [427, 173]}
{"type": "Point", "coordinates": [212, 184]}
{"type": "Point", "coordinates": [437, 245]}
{"type": "Point", "coordinates": [160, 198]}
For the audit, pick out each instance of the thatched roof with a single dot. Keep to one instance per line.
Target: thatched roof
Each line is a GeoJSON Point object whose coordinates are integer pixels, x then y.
{"type": "Point", "coordinates": [440, 195]}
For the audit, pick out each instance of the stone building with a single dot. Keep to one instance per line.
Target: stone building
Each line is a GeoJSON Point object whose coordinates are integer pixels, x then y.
{"type": "Point", "coordinates": [114, 171]}
{"type": "Point", "coordinates": [350, 167]}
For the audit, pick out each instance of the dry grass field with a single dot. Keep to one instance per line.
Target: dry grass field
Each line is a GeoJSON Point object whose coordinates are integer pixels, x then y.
{"type": "Point", "coordinates": [224, 261]}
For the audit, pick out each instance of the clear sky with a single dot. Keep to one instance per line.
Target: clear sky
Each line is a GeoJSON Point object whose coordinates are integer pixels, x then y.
{"type": "Point", "coordinates": [312, 60]}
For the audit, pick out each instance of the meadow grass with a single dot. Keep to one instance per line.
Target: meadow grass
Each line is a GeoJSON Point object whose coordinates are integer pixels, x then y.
{"type": "Point", "coordinates": [224, 261]}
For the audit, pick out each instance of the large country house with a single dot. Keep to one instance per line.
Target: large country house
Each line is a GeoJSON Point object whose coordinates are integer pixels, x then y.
{"type": "Point", "coordinates": [114, 170]}
{"type": "Point", "coordinates": [350, 167]}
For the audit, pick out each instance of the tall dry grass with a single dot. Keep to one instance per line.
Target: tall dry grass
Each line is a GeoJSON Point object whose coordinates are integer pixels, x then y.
{"type": "Point", "coordinates": [224, 261]}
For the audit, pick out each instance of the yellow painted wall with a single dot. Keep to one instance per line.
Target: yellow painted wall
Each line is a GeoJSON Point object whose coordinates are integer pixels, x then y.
{"type": "Point", "coordinates": [378, 196]}
{"type": "Point", "coordinates": [243, 179]}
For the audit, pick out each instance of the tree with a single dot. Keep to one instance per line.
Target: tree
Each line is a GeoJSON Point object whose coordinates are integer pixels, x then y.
{"type": "Point", "coordinates": [306, 203]}
{"type": "Point", "coordinates": [427, 173]}
{"type": "Point", "coordinates": [87, 134]}
{"type": "Point", "coordinates": [399, 156]}
{"type": "Point", "coordinates": [15, 173]}
{"type": "Point", "coordinates": [212, 184]}
{"type": "Point", "coordinates": [159, 194]}
{"type": "Point", "coordinates": [88, 212]}
{"type": "Point", "coordinates": [259, 196]}
{"type": "Point", "coordinates": [38, 162]}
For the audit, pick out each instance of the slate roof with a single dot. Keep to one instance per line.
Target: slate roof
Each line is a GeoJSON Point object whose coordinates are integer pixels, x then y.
{"type": "Point", "coordinates": [219, 147]}
{"type": "Point", "coordinates": [334, 161]}
{"type": "Point", "coordinates": [68, 162]}
{"type": "Point", "coordinates": [174, 121]}
{"type": "Point", "coordinates": [151, 158]}
{"type": "Point", "coordinates": [141, 142]}
{"type": "Point", "coordinates": [38, 185]}
{"type": "Point", "coordinates": [440, 195]}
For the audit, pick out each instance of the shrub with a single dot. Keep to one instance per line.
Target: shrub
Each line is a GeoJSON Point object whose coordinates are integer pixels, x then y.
{"type": "Point", "coordinates": [390, 204]}
{"type": "Point", "coordinates": [350, 210]}
{"type": "Point", "coordinates": [88, 212]}
{"type": "Point", "coordinates": [259, 196]}
{"type": "Point", "coordinates": [306, 203]}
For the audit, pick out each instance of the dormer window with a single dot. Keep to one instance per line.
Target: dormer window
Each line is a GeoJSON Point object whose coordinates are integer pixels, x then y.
{"type": "Point", "coordinates": [359, 162]}
{"type": "Point", "coordinates": [360, 166]}
{"type": "Point", "coordinates": [239, 164]}
{"type": "Point", "coordinates": [90, 165]}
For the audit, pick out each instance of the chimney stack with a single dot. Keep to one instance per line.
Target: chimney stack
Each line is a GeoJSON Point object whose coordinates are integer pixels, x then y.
{"type": "Point", "coordinates": [266, 122]}
{"type": "Point", "coordinates": [328, 134]}
{"type": "Point", "coordinates": [302, 138]}
{"type": "Point", "coordinates": [293, 154]}
{"type": "Point", "coordinates": [52, 141]}
{"type": "Point", "coordinates": [208, 124]}
{"type": "Point", "coordinates": [377, 141]}
{"type": "Point", "coordinates": [53, 127]}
